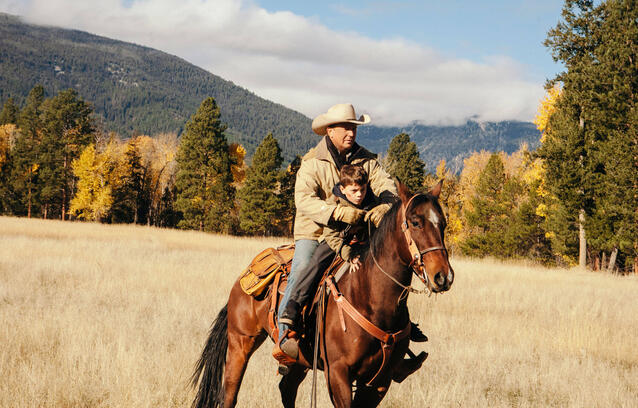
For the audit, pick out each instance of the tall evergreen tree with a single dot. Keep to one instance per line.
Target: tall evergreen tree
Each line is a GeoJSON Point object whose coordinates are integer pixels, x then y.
{"type": "Point", "coordinates": [129, 194]}
{"type": "Point", "coordinates": [205, 194]}
{"type": "Point", "coordinates": [572, 42]}
{"type": "Point", "coordinates": [490, 210]}
{"type": "Point", "coordinates": [261, 203]}
{"type": "Point", "coordinates": [592, 134]}
{"type": "Point", "coordinates": [23, 192]}
{"type": "Point", "coordinates": [404, 163]}
{"type": "Point", "coordinates": [9, 113]}
{"type": "Point", "coordinates": [68, 128]}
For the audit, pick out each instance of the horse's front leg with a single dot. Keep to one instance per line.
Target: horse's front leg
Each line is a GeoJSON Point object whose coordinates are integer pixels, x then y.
{"type": "Point", "coordinates": [370, 396]}
{"type": "Point", "coordinates": [289, 385]}
{"type": "Point", "coordinates": [340, 383]}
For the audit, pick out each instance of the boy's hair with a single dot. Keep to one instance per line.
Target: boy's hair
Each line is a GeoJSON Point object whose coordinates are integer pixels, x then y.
{"type": "Point", "coordinates": [350, 175]}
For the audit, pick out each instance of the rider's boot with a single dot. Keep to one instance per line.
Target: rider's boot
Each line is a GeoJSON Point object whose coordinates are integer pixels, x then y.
{"type": "Point", "coordinates": [286, 349]}
{"type": "Point", "coordinates": [416, 335]}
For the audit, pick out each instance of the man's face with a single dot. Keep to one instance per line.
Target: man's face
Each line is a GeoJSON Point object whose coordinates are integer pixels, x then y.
{"type": "Point", "coordinates": [355, 193]}
{"type": "Point", "coordinates": [343, 136]}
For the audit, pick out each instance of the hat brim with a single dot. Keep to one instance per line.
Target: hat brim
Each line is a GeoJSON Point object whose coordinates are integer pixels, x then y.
{"type": "Point", "coordinates": [321, 122]}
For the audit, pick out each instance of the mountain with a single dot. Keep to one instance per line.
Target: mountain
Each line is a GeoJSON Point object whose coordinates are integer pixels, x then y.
{"type": "Point", "coordinates": [454, 143]}
{"type": "Point", "coordinates": [136, 89]}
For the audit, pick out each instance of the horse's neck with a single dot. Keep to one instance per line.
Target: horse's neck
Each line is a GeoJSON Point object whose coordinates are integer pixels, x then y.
{"type": "Point", "coordinates": [376, 295]}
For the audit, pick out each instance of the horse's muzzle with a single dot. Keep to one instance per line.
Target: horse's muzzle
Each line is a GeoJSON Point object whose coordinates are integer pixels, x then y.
{"type": "Point", "coordinates": [443, 280]}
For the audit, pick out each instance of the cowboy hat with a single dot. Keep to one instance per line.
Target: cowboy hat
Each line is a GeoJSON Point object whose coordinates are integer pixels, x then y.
{"type": "Point", "coordinates": [340, 113]}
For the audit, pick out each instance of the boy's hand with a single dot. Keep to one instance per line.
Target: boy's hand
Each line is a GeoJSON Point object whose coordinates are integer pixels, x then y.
{"type": "Point", "coordinates": [355, 264]}
{"type": "Point", "coordinates": [376, 214]}
{"type": "Point", "coordinates": [349, 215]}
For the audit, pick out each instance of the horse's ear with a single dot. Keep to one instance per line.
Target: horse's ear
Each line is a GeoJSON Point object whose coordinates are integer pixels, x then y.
{"type": "Point", "coordinates": [404, 193]}
{"type": "Point", "coordinates": [436, 190]}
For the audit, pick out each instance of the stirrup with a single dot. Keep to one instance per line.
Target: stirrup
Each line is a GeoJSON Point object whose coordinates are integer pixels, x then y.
{"type": "Point", "coordinates": [286, 350]}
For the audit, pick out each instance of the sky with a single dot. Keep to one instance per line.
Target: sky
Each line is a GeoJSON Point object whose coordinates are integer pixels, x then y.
{"type": "Point", "coordinates": [401, 62]}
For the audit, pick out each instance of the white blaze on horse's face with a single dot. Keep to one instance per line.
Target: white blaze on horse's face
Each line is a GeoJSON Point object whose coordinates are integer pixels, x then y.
{"type": "Point", "coordinates": [434, 219]}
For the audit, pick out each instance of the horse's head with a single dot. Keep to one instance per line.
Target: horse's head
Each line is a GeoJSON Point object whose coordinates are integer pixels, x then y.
{"type": "Point", "coordinates": [423, 224]}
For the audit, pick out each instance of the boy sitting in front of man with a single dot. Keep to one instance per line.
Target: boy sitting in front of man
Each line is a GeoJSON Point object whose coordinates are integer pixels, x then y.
{"type": "Point", "coordinates": [348, 241]}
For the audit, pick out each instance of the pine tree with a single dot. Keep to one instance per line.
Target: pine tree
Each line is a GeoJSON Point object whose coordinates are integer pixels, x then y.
{"type": "Point", "coordinates": [130, 190]}
{"type": "Point", "coordinates": [23, 189]}
{"type": "Point", "coordinates": [489, 212]}
{"type": "Point", "coordinates": [404, 163]}
{"type": "Point", "coordinates": [205, 195]}
{"type": "Point", "coordinates": [260, 201]}
{"type": "Point", "coordinates": [572, 43]}
{"type": "Point", "coordinates": [67, 129]}
{"type": "Point", "coordinates": [9, 113]}
{"type": "Point", "coordinates": [593, 146]}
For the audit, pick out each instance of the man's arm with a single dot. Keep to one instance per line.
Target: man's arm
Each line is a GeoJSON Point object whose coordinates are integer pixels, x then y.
{"type": "Point", "coordinates": [307, 198]}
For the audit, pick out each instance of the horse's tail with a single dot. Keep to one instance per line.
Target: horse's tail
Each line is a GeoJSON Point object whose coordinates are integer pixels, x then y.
{"type": "Point", "coordinates": [210, 367]}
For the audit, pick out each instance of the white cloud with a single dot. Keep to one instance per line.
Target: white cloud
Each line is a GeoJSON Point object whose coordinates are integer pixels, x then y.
{"type": "Point", "coordinates": [302, 64]}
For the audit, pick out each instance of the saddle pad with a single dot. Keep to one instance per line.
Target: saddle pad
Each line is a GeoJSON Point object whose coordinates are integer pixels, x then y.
{"type": "Point", "coordinates": [261, 271]}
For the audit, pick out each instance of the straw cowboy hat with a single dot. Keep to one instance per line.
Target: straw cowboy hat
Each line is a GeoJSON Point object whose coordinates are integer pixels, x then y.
{"type": "Point", "coordinates": [340, 113]}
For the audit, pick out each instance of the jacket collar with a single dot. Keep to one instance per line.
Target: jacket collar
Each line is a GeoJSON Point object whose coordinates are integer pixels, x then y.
{"type": "Point", "coordinates": [322, 152]}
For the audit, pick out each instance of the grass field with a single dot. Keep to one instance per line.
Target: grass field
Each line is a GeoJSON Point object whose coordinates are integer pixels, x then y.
{"type": "Point", "coordinates": [116, 316]}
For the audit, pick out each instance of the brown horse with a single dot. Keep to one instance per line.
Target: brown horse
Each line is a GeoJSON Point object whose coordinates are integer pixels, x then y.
{"type": "Point", "coordinates": [376, 290]}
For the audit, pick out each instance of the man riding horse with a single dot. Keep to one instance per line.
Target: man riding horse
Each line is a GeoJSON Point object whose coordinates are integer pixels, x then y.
{"type": "Point", "coordinates": [318, 174]}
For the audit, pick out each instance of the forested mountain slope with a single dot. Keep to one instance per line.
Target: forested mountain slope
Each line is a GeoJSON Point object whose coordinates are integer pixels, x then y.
{"type": "Point", "coordinates": [136, 89]}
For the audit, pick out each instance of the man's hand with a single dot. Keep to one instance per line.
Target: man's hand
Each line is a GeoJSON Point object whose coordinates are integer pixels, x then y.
{"type": "Point", "coordinates": [355, 264]}
{"type": "Point", "coordinates": [376, 214]}
{"type": "Point", "coordinates": [349, 215]}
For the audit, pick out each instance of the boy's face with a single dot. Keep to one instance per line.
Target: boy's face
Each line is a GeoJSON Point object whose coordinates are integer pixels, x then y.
{"type": "Point", "coordinates": [355, 193]}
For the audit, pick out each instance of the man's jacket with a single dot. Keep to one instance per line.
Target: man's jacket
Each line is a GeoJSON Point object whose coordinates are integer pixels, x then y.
{"type": "Point", "coordinates": [316, 178]}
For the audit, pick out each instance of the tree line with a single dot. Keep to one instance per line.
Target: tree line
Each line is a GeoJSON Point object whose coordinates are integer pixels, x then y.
{"type": "Point", "coordinates": [57, 164]}
{"type": "Point", "coordinates": [573, 201]}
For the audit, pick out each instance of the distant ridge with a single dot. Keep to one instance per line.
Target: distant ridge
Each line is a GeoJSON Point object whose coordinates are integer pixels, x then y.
{"type": "Point", "coordinates": [136, 89]}
{"type": "Point", "coordinates": [455, 143]}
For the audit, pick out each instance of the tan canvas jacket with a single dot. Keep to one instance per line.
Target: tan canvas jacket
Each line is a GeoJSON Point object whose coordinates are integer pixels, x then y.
{"type": "Point", "coordinates": [315, 179]}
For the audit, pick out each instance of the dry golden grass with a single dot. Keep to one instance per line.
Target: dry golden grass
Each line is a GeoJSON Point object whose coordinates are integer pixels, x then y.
{"type": "Point", "coordinates": [116, 316]}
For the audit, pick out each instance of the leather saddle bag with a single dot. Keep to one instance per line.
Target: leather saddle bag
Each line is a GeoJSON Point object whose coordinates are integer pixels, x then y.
{"type": "Point", "coordinates": [261, 271]}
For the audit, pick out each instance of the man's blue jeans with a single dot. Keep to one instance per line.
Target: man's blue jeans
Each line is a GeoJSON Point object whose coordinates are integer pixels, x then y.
{"type": "Point", "coordinates": [304, 249]}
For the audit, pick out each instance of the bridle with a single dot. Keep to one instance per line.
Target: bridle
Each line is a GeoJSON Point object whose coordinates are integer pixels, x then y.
{"type": "Point", "coordinates": [416, 259]}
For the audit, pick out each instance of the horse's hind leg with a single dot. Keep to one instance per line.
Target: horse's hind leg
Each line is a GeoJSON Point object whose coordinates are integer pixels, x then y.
{"type": "Point", "coordinates": [240, 348]}
{"type": "Point", "coordinates": [289, 385]}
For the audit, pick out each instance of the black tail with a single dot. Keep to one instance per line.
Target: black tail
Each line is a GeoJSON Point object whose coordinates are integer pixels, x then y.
{"type": "Point", "coordinates": [210, 367]}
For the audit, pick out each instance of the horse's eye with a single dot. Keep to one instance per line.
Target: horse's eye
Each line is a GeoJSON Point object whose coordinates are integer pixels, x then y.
{"type": "Point", "coordinates": [415, 224]}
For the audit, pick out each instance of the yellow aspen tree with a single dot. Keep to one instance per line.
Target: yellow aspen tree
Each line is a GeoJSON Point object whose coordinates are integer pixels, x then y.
{"type": "Point", "coordinates": [8, 133]}
{"type": "Point", "coordinates": [93, 199]}
{"type": "Point", "coordinates": [450, 199]}
{"type": "Point", "coordinates": [238, 167]}
{"type": "Point", "coordinates": [546, 108]}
